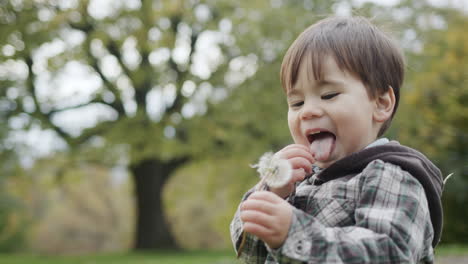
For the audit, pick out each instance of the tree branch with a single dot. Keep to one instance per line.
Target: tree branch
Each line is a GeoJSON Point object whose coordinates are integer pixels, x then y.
{"type": "Point", "coordinates": [94, 101]}
{"type": "Point", "coordinates": [113, 49]}
{"type": "Point", "coordinates": [90, 132]}
{"type": "Point", "coordinates": [179, 100]}
{"type": "Point", "coordinates": [45, 117]}
{"type": "Point", "coordinates": [117, 104]}
{"type": "Point", "coordinates": [144, 84]}
{"type": "Point", "coordinates": [88, 28]}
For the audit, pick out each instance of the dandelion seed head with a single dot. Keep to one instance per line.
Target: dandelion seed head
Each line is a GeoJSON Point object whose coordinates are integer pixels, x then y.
{"type": "Point", "coordinates": [276, 172]}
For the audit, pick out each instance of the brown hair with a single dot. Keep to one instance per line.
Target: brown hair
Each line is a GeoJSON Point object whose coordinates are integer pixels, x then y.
{"type": "Point", "coordinates": [357, 46]}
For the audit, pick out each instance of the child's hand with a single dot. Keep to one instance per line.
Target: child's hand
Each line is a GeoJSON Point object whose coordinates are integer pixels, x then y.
{"type": "Point", "coordinates": [266, 216]}
{"type": "Point", "coordinates": [301, 160]}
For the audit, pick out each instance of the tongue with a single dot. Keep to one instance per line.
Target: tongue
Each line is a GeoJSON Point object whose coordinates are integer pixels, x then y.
{"type": "Point", "coordinates": [321, 147]}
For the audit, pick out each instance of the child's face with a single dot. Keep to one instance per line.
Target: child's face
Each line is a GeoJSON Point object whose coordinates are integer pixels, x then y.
{"type": "Point", "coordinates": [334, 117]}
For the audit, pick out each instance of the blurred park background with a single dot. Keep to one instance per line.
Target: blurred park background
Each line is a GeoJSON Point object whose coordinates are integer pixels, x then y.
{"type": "Point", "coordinates": [130, 125]}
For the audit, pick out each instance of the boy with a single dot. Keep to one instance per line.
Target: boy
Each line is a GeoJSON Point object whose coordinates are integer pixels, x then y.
{"type": "Point", "coordinates": [352, 198]}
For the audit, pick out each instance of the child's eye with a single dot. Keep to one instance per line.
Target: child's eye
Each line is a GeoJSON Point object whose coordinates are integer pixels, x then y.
{"type": "Point", "coordinates": [329, 96]}
{"type": "Point", "coordinates": [297, 104]}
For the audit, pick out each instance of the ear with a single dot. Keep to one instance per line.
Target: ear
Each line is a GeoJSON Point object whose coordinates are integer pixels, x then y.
{"type": "Point", "coordinates": [384, 105]}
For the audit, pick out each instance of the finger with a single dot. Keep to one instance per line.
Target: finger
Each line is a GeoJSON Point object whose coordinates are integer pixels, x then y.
{"type": "Point", "coordinates": [298, 175]}
{"type": "Point", "coordinates": [296, 146]}
{"type": "Point", "coordinates": [257, 217]}
{"type": "Point", "coordinates": [258, 205]}
{"type": "Point", "coordinates": [300, 162]}
{"type": "Point", "coordinates": [266, 197]}
{"type": "Point", "coordinates": [296, 152]}
{"type": "Point", "coordinates": [260, 231]}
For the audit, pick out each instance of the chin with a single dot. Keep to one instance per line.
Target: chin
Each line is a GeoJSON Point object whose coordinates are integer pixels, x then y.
{"type": "Point", "coordinates": [327, 163]}
{"type": "Point", "coordinates": [324, 164]}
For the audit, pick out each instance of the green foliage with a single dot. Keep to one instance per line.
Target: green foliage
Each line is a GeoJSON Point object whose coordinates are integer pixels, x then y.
{"type": "Point", "coordinates": [75, 206]}
{"type": "Point", "coordinates": [201, 199]}
{"type": "Point", "coordinates": [12, 222]}
{"type": "Point", "coordinates": [434, 114]}
{"type": "Point", "coordinates": [30, 26]}
{"type": "Point", "coordinates": [193, 257]}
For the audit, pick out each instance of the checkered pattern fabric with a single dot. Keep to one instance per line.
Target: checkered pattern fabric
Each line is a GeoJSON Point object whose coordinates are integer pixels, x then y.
{"type": "Point", "coordinates": [380, 215]}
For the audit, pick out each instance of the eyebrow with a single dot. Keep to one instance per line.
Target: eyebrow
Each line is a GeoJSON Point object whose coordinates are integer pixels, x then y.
{"type": "Point", "coordinates": [330, 82]}
{"type": "Point", "coordinates": [292, 92]}
{"type": "Point", "coordinates": [321, 83]}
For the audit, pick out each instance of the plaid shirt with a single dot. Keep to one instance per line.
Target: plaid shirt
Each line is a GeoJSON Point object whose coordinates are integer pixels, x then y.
{"type": "Point", "coordinates": [380, 215]}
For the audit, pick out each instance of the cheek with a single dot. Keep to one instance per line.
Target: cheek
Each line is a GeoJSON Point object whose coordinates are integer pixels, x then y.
{"type": "Point", "coordinates": [354, 129]}
{"type": "Point", "coordinates": [347, 124]}
{"type": "Point", "coordinates": [293, 124]}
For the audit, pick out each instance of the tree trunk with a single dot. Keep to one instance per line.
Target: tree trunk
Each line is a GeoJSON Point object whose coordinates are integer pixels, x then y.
{"type": "Point", "coordinates": [152, 229]}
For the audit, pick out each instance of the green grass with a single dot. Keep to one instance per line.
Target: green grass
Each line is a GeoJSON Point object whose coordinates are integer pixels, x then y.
{"type": "Point", "coordinates": [194, 257]}
{"type": "Point", "coordinates": [126, 258]}
{"type": "Point", "coordinates": [452, 250]}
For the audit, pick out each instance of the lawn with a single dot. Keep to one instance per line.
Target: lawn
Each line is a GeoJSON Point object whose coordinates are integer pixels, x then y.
{"type": "Point", "coordinates": [126, 258]}
{"type": "Point", "coordinates": [445, 254]}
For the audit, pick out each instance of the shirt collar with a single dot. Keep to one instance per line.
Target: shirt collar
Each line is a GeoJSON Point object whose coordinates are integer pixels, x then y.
{"type": "Point", "coordinates": [378, 142]}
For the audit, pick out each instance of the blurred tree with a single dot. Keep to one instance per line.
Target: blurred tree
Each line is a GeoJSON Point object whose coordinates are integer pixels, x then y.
{"type": "Point", "coordinates": [87, 212]}
{"type": "Point", "coordinates": [149, 74]}
{"type": "Point", "coordinates": [437, 94]}
{"type": "Point", "coordinates": [12, 215]}
{"type": "Point", "coordinates": [153, 68]}
{"type": "Point", "coordinates": [149, 63]}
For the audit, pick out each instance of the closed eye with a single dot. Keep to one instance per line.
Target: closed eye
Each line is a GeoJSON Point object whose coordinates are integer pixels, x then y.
{"type": "Point", "coordinates": [297, 104]}
{"type": "Point", "coordinates": [329, 96]}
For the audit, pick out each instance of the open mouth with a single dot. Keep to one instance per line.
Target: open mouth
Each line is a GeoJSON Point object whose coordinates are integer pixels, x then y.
{"type": "Point", "coordinates": [319, 136]}
{"type": "Point", "coordinates": [322, 144]}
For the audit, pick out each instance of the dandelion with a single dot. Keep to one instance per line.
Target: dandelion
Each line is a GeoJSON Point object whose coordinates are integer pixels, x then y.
{"type": "Point", "coordinates": [273, 171]}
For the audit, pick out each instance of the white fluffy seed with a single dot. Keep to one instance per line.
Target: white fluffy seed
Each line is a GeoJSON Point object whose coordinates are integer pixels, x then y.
{"type": "Point", "coordinates": [275, 172]}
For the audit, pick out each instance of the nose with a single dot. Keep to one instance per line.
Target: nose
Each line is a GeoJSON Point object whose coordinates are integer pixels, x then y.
{"type": "Point", "coordinates": [311, 110]}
